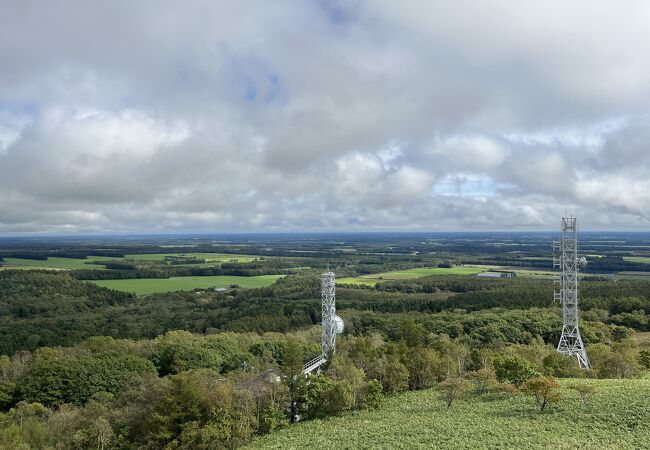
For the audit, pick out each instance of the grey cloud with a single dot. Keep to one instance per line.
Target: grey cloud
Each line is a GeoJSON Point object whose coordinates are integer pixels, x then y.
{"type": "Point", "coordinates": [284, 115]}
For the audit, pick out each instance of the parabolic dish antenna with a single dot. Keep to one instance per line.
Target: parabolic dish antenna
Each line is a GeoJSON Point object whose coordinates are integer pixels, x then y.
{"type": "Point", "coordinates": [339, 324]}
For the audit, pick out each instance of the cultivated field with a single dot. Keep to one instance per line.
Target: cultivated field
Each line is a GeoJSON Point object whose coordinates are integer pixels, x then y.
{"type": "Point", "coordinates": [55, 263]}
{"type": "Point", "coordinates": [637, 259]}
{"type": "Point", "coordinates": [616, 417]}
{"type": "Point", "coordinates": [407, 274]}
{"type": "Point", "coordinates": [208, 257]}
{"type": "Point", "coordinates": [145, 286]}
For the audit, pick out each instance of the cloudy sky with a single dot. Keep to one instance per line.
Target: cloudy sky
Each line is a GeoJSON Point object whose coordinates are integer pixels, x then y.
{"type": "Point", "coordinates": [216, 115]}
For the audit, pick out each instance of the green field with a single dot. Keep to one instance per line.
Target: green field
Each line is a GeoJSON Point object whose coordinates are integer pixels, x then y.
{"type": "Point", "coordinates": [356, 280]}
{"type": "Point", "coordinates": [145, 286]}
{"type": "Point", "coordinates": [407, 274]}
{"type": "Point", "coordinates": [56, 263]}
{"type": "Point", "coordinates": [637, 259]}
{"type": "Point", "coordinates": [616, 417]}
{"type": "Point", "coordinates": [532, 273]}
{"type": "Point", "coordinates": [208, 257]}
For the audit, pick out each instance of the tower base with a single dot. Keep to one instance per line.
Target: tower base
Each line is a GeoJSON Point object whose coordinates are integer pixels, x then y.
{"type": "Point", "coordinates": [571, 344]}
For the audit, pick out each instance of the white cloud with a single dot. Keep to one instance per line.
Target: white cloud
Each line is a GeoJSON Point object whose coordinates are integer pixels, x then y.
{"type": "Point", "coordinates": [254, 115]}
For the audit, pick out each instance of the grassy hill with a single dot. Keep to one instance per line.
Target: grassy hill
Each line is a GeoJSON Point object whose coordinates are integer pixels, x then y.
{"type": "Point", "coordinates": [616, 417]}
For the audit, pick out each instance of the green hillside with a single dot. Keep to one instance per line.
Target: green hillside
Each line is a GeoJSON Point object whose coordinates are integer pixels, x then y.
{"type": "Point", "coordinates": [617, 416]}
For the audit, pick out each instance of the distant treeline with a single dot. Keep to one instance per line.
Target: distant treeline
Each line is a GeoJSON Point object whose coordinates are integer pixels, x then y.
{"type": "Point", "coordinates": [124, 273]}
{"type": "Point", "coordinates": [40, 255]}
{"type": "Point", "coordinates": [605, 264]}
{"type": "Point", "coordinates": [608, 264]}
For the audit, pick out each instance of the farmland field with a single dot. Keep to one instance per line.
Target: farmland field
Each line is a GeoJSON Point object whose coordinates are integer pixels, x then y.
{"type": "Point", "coordinates": [637, 259]}
{"type": "Point", "coordinates": [407, 274]}
{"type": "Point", "coordinates": [356, 280]}
{"type": "Point", "coordinates": [616, 417]}
{"type": "Point", "coordinates": [532, 273]}
{"type": "Point", "coordinates": [56, 263]}
{"type": "Point", "coordinates": [208, 257]}
{"type": "Point", "coordinates": [145, 286]}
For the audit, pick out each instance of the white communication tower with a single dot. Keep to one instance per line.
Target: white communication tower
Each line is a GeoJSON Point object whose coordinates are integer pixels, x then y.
{"type": "Point", "coordinates": [331, 323]}
{"type": "Point", "coordinates": [569, 264]}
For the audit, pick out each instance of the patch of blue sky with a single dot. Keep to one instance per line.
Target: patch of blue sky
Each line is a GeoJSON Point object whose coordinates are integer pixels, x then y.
{"type": "Point", "coordinates": [467, 185]}
{"type": "Point", "coordinates": [250, 91]}
{"type": "Point", "coordinates": [573, 136]}
{"type": "Point", "coordinates": [390, 154]}
{"type": "Point", "coordinates": [13, 120]}
{"type": "Point", "coordinates": [339, 12]}
{"type": "Point", "coordinates": [19, 108]}
{"type": "Point", "coordinates": [266, 89]}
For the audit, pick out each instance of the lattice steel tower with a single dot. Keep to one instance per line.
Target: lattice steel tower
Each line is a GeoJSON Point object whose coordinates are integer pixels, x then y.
{"type": "Point", "coordinates": [328, 286]}
{"type": "Point", "coordinates": [569, 264]}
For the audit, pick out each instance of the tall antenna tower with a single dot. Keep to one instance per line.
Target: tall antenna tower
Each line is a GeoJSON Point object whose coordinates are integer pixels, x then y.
{"type": "Point", "coordinates": [332, 324]}
{"type": "Point", "coordinates": [328, 286]}
{"type": "Point", "coordinates": [569, 264]}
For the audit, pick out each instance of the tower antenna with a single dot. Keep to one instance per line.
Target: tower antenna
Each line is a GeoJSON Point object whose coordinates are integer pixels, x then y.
{"type": "Point", "coordinates": [569, 264]}
{"type": "Point", "coordinates": [331, 323]}
{"type": "Point", "coordinates": [328, 310]}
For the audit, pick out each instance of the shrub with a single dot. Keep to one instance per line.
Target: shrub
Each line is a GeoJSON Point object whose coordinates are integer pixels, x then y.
{"type": "Point", "coordinates": [397, 377]}
{"type": "Point", "coordinates": [372, 395]}
{"type": "Point", "coordinates": [451, 388]}
{"type": "Point", "coordinates": [326, 397]}
{"type": "Point", "coordinates": [484, 380]}
{"type": "Point", "coordinates": [513, 369]}
{"type": "Point", "coordinates": [544, 389]}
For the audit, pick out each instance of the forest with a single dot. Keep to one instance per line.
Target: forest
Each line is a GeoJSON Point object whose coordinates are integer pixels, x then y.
{"type": "Point", "coordinates": [83, 366]}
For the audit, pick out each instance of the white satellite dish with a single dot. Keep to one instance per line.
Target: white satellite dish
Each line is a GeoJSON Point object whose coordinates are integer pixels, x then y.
{"type": "Point", "coordinates": [339, 324]}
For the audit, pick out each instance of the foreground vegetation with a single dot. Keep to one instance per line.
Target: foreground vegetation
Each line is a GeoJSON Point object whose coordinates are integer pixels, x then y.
{"type": "Point", "coordinates": [616, 416]}
{"type": "Point", "coordinates": [184, 391]}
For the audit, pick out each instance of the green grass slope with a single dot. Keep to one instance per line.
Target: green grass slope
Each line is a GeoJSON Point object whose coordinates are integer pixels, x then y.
{"type": "Point", "coordinates": [616, 417]}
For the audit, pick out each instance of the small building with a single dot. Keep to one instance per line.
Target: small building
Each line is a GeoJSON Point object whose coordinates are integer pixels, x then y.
{"type": "Point", "coordinates": [496, 274]}
{"type": "Point", "coordinates": [220, 290]}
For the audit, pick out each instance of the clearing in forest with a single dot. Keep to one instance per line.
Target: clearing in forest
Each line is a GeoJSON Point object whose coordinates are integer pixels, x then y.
{"type": "Point", "coordinates": [145, 286]}
{"type": "Point", "coordinates": [407, 274]}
